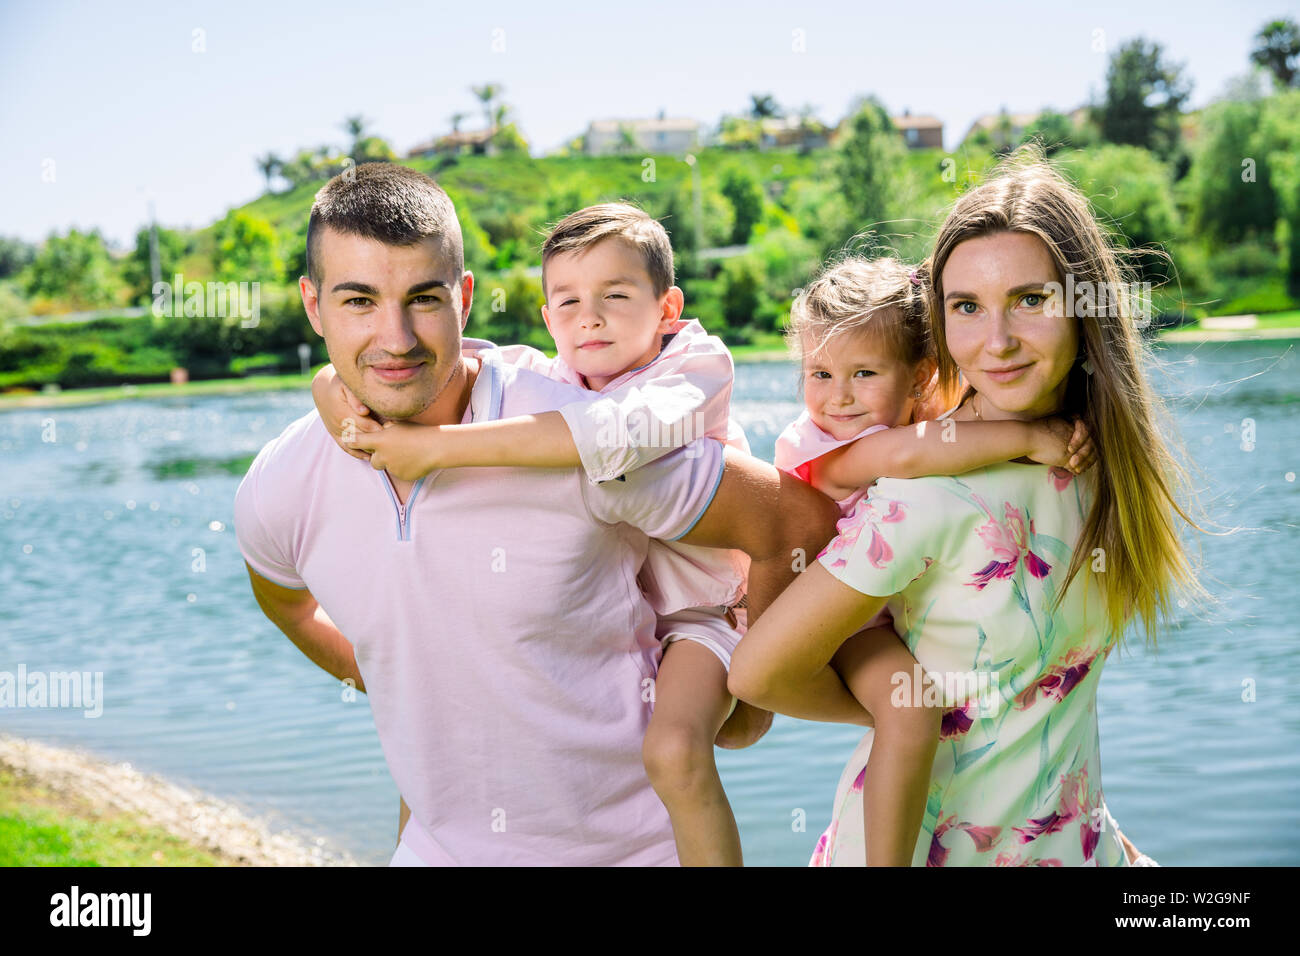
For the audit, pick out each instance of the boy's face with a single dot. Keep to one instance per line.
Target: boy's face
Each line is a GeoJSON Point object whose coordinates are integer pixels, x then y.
{"type": "Point", "coordinates": [391, 317]}
{"type": "Point", "coordinates": [602, 310]}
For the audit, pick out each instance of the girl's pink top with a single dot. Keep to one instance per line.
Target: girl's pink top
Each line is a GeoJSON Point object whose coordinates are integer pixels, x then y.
{"type": "Point", "coordinates": [803, 442]}
{"type": "Point", "coordinates": [683, 394]}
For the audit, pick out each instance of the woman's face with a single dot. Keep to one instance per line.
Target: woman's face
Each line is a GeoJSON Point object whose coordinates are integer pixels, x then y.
{"type": "Point", "coordinates": [1014, 344]}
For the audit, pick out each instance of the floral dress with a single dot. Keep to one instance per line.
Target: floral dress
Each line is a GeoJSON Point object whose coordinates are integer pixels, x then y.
{"type": "Point", "coordinates": [974, 564]}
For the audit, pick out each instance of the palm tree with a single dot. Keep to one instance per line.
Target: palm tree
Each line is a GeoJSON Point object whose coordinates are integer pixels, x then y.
{"type": "Point", "coordinates": [456, 120]}
{"type": "Point", "coordinates": [1276, 48]}
{"type": "Point", "coordinates": [762, 106]}
{"type": "Point", "coordinates": [355, 127]}
{"type": "Point", "coordinates": [270, 165]}
{"type": "Point", "coordinates": [486, 94]}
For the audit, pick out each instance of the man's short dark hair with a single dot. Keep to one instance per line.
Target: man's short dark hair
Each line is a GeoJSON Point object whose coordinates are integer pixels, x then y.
{"type": "Point", "coordinates": [394, 204]}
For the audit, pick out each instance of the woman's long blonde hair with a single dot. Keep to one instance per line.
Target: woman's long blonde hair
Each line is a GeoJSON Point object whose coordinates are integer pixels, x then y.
{"type": "Point", "coordinates": [1134, 517]}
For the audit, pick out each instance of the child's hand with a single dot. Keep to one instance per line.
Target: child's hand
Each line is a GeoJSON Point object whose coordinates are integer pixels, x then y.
{"type": "Point", "coordinates": [1062, 444]}
{"type": "Point", "coordinates": [343, 414]}
{"type": "Point", "coordinates": [404, 450]}
{"type": "Point", "coordinates": [1082, 454]}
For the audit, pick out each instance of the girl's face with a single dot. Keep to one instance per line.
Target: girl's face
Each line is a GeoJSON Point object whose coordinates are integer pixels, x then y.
{"type": "Point", "coordinates": [855, 382]}
{"type": "Point", "coordinates": [1014, 345]}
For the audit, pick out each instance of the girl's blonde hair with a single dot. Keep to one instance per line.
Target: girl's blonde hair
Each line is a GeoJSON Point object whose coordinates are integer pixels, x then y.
{"type": "Point", "coordinates": [1132, 526]}
{"type": "Point", "coordinates": [885, 295]}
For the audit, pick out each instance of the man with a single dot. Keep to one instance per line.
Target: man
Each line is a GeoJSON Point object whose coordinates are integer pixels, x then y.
{"type": "Point", "coordinates": [491, 614]}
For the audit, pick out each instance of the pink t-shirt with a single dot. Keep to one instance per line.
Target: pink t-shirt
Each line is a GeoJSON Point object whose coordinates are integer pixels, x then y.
{"type": "Point", "coordinates": [682, 394]}
{"type": "Point", "coordinates": [498, 626]}
{"type": "Point", "coordinates": [803, 442]}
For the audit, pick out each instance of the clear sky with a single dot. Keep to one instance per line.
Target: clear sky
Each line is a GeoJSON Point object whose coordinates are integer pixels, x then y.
{"type": "Point", "coordinates": [128, 109]}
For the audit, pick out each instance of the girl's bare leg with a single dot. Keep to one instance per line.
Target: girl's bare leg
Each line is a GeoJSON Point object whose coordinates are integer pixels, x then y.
{"type": "Point", "coordinates": [898, 771]}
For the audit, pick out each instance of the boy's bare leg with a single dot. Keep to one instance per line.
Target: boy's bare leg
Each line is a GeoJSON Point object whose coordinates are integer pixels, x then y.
{"type": "Point", "coordinates": [691, 702]}
{"type": "Point", "coordinates": [403, 814]}
{"type": "Point", "coordinates": [902, 755]}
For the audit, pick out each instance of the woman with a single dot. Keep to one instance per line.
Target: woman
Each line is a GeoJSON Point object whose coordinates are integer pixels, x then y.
{"type": "Point", "coordinates": [1010, 585]}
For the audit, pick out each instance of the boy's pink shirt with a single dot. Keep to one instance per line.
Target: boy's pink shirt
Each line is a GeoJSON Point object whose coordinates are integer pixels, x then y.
{"type": "Point", "coordinates": [684, 393]}
{"type": "Point", "coordinates": [498, 627]}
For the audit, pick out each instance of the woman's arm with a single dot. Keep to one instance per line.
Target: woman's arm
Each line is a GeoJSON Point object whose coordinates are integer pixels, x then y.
{"type": "Point", "coordinates": [783, 662]}
{"type": "Point", "coordinates": [950, 447]}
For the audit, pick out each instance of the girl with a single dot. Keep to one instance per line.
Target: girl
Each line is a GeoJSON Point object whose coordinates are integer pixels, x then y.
{"type": "Point", "coordinates": [859, 332]}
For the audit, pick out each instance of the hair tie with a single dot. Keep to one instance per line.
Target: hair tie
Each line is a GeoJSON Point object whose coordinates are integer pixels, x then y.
{"type": "Point", "coordinates": [915, 281]}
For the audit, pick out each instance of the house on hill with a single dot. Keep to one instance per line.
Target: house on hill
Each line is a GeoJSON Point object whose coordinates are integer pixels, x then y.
{"type": "Point", "coordinates": [791, 132]}
{"type": "Point", "coordinates": [661, 135]}
{"type": "Point", "coordinates": [1005, 129]}
{"type": "Point", "coordinates": [476, 142]}
{"type": "Point", "coordinates": [919, 132]}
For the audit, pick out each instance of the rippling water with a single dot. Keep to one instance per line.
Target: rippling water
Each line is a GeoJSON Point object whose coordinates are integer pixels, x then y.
{"type": "Point", "coordinates": [117, 555]}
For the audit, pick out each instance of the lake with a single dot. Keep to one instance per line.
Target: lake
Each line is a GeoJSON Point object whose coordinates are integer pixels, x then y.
{"type": "Point", "coordinates": [117, 555]}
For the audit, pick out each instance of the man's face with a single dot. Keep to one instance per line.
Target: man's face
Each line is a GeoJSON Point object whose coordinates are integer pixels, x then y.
{"type": "Point", "coordinates": [602, 310]}
{"type": "Point", "coordinates": [391, 317]}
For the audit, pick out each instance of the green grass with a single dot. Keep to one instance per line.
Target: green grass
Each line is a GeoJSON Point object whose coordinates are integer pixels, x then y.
{"type": "Point", "coordinates": [1274, 320]}
{"type": "Point", "coordinates": [42, 828]}
{"type": "Point", "coordinates": [95, 396]}
{"type": "Point", "coordinates": [765, 347]}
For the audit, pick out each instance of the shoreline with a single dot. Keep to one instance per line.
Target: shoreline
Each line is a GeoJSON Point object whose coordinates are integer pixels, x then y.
{"type": "Point", "coordinates": [203, 822]}
{"type": "Point", "coordinates": [238, 386]}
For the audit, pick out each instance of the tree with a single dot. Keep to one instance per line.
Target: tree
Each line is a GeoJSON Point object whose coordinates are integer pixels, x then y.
{"type": "Point", "coordinates": [14, 256]}
{"type": "Point", "coordinates": [1054, 131]}
{"type": "Point", "coordinates": [1277, 47]}
{"type": "Point", "coordinates": [456, 120]}
{"type": "Point", "coordinates": [372, 149]}
{"type": "Point", "coordinates": [1144, 98]}
{"type": "Point", "coordinates": [74, 268]}
{"type": "Point", "coordinates": [1279, 141]}
{"type": "Point", "coordinates": [487, 94]}
{"type": "Point", "coordinates": [742, 190]}
{"type": "Point", "coordinates": [1230, 181]}
{"type": "Point", "coordinates": [355, 127]}
{"type": "Point", "coordinates": [1130, 187]}
{"type": "Point", "coordinates": [137, 270]}
{"type": "Point", "coordinates": [762, 106]}
{"type": "Point", "coordinates": [741, 288]}
{"type": "Point", "coordinates": [246, 249]}
{"type": "Point", "coordinates": [868, 163]}
{"type": "Point", "coordinates": [269, 165]}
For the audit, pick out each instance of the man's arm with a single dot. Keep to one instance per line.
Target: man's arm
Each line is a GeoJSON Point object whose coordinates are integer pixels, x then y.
{"type": "Point", "coordinates": [305, 622]}
{"type": "Point", "coordinates": [782, 524]}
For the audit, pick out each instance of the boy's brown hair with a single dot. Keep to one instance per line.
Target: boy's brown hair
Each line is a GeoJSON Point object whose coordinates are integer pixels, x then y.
{"type": "Point", "coordinates": [581, 230]}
